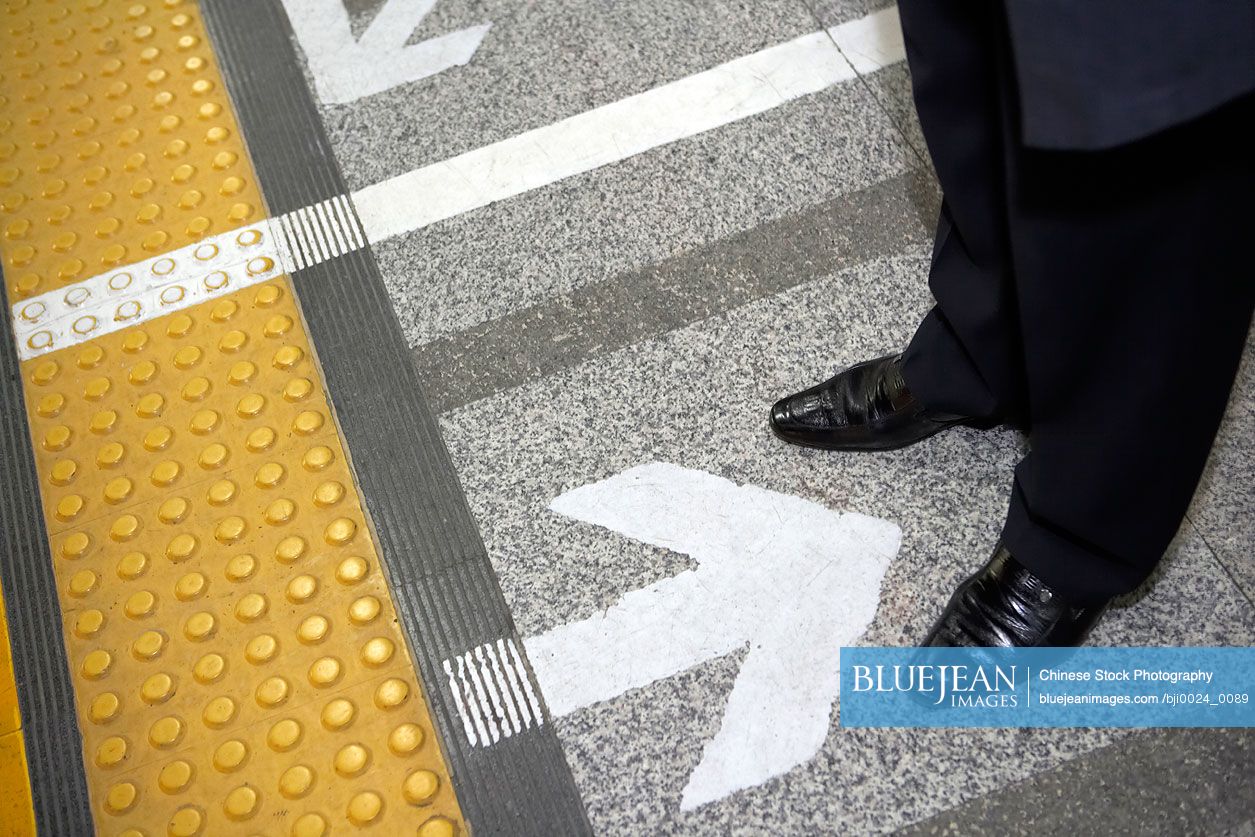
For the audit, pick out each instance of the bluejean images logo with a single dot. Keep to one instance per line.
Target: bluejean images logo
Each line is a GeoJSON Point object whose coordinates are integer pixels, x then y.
{"type": "Point", "coordinates": [1047, 687]}
{"type": "Point", "coordinates": [987, 686]}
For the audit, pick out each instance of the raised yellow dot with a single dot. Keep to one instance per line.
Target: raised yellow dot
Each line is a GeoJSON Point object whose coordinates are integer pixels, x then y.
{"type": "Point", "coordinates": [284, 735]}
{"type": "Point", "coordinates": [190, 586]}
{"type": "Point", "coordinates": [96, 389]}
{"type": "Point", "coordinates": [420, 787]}
{"type": "Point", "coordinates": [261, 649]}
{"type": "Point", "coordinates": [111, 751]}
{"type": "Point", "coordinates": [377, 651]}
{"type": "Point", "coordinates": [196, 389]}
{"type": "Point", "coordinates": [351, 760]}
{"type": "Point", "coordinates": [269, 475]}
{"type": "Point", "coordinates": [158, 438]}
{"type": "Point", "coordinates": [180, 325]}
{"type": "Point", "coordinates": [173, 510]}
{"type": "Point", "coordinates": [340, 531]}
{"type": "Point", "coordinates": [104, 708]}
{"type": "Point", "coordinates": [132, 565]}
{"type": "Point", "coordinates": [181, 547]}
{"type": "Point", "coordinates": [251, 607]}
{"type": "Point", "coordinates": [214, 456]}
{"type": "Point", "coordinates": [186, 822]}
{"type": "Point", "coordinates": [157, 689]}
{"type": "Point", "coordinates": [290, 549]}
{"type": "Point", "coordinates": [124, 528]}
{"type": "Point", "coordinates": [57, 438]}
{"type": "Point", "coordinates": [307, 423]}
{"type": "Point", "coordinates": [75, 546]}
{"type": "Point", "coordinates": [204, 421]}
{"type": "Point", "coordinates": [221, 493]}
{"type": "Point", "coordinates": [298, 389]}
{"type": "Point", "coordinates": [224, 310]}
{"type": "Point", "coordinates": [272, 691]}
{"type": "Point", "coordinates": [165, 473]}
{"type": "Point", "coordinates": [45, 373]}
{"type": "Point", "coordinates": [90, 357]}
{"type": "Point", "coordinates": [287, 357]}
{"type": "Point", "coordinates": [70, 507]}
{"type": "Point", "coordinates": [241, 803]}
{"type": "Point", "coordinates": [241, 567]}
{"type": "Point", "coordinates": [199, 626]}
{"type": "Point", "coordinates": [250, 405]}
{"type": "Point", "coordinates": [96, 664]}
{"type": "Point", "coordinates": [89, 623]}
{"type": "Point", "coordinates": [302, 588]}
{"type": "Point", "coordinates": [209, 668]}
{"type": "Point", "coordinates": [118, 490]}
{"type": "Point", "coordinates": [63, 472]}
{"type": "Point", "coordinates": [141, 604]}
{"type": "Point", "coordinates": [365, 807]}
{"type": "Point", "coordinates": [150, 405]}
{"type": "Point", "coordinates": [437, 827]}
{"type": "Point", "coordinates": [233, 341]}
{"type": "Point", "coordinates": [110, 455]}
{"type": "Point", "coordinates": [50, 406]}
{"type": "Point", "coordinates": [218, 712]}
{"type": "Point", "coordinates": [296, 781]}
{"type": "Point", "coordinates": [165, 732]}
{"type": "Point", "coordinates": [175, 776]}
{"type": "Point", "coordinates": [103, 422]}
{"type": "Point", "coordinates": [261, 439]}
{"type": "Point", "coordinates": [405, 739]}
{"type": "Point", "coordinates": [187, 357]}
{"type": "Point", "coordinates": [148, 645]}
{"type": "Point", "coordinates": [142, 372]}
{"type": "Point", "coordinates": [324, 672]}
{"type": "Point", "coordinates": [313, 629]}
{"type": "Point", "coordinates": [230, 530]}
{"type": "Point", "coordinates": [364, 610]}
{"type": "Point", "coordinates": [121, 798]}
{"type": "Point", "coordinates": [241, 373]}
{"type": "Point", "coordinates": [391, 693]}
{"type": "Point", "coordinates": [280, 511]}
{"type": "Point", "coordinates": [82, 583]}
{"type": "Point", "coordinates": [338, 714]}
{"type": "Point", "coordinates": [309, 825]}
{"type": "Point", "coordinates": [328, 493]}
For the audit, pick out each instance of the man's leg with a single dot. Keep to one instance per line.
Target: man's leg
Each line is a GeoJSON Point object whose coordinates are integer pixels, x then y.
{"type": "Point", "coordinates": [1135, 287]}
{"type": "Point", "coordinates": [965, 357]}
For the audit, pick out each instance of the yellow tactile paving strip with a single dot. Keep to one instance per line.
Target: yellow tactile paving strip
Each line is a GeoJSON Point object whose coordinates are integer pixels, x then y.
{"type": "Point", "coordinates": [237, 662]}
{"type": "Point", "coordinates": [117, 141]}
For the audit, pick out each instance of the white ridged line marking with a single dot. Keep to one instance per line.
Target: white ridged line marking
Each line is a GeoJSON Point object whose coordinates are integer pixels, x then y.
{"type": "Point", "coordinates": [492, 693]}
{"type": "Point", "coordinates": [132, 295]}
{"type": "Point", "coordinates": [311, 235]}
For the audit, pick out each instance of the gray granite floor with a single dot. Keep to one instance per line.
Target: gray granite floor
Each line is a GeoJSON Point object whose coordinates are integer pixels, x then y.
{"type": "Point", "coordinates": [651, 311]}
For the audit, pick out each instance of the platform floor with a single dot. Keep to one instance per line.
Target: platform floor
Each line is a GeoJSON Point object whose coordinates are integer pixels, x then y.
{"type": "Point", "coordinates": [648, 310]}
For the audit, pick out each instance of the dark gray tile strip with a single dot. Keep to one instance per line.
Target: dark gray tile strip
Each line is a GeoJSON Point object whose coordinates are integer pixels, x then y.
{"type": "Point", "coordinates": [1180, 781]}
{"type": "Point", "coordinates": [54, 749]}
{"type": "Point", "coordinates": [446, 592]}
{"type": "Point", "coordinates": [535, 342]}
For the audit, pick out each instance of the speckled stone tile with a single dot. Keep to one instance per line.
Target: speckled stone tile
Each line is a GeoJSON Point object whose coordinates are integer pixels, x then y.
{"type": "Point", "coordinates": [482, 265]}
{"type": "Point", "coordinates": [542, 62]}
{"type": "Point", "coordinates": [1224, 505]}
{"type": "Point", "coordinates": [698, 398]}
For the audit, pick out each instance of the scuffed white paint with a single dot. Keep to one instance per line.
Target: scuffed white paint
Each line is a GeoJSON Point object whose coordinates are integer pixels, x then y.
{"type": "Point", "coordinates": [787, 577]}
{"type": "Point", "coordinates": [346, 69]}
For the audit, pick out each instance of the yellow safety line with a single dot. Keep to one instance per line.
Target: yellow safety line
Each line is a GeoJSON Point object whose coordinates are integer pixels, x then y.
{"type": "Point", "coordinates": [16, 816]}
{"type": "Point", "coordinates": [237, 662]}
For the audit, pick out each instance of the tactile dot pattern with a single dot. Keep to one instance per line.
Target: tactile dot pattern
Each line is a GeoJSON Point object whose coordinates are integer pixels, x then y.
{"type": "Point", "coordinates": [117, 141]}
{"type": "Point", "coordinates": [237, 661]}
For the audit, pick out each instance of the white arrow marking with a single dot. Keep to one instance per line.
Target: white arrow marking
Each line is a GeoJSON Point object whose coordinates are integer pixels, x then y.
{"type": "Point", "coordinates": [345, 69]}
{"type": "Point", "coordinates": [790, 578]}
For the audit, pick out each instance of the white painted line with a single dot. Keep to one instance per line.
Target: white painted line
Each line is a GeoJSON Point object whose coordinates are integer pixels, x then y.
{"type": "Point", "coordinates": [789, 578]}
{"type": "Point", "coordinates": [729, 92]}
{"type": "Point", "coordinates": [487, 695]}
{"type": "Point", "coordinates": [346, 69]}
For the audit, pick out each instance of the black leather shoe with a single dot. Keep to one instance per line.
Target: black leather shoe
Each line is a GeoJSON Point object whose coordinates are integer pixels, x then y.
{"type": "Point", "coordinates": [1004, 605]}
{"type": "Point", "coordinates": [866, 407]}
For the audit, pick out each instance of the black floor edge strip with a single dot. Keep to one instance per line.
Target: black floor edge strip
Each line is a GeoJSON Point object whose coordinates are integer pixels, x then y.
{"type": "Point", "coordinates": [54, 749]}
{"type": "Point", "coordinates": [446, 591]}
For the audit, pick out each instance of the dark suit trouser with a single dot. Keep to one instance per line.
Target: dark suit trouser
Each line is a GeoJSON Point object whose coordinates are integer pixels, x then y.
{"type": "Point", "coordinates": [1098, 300]}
